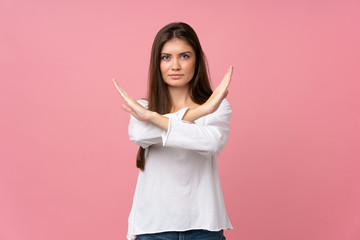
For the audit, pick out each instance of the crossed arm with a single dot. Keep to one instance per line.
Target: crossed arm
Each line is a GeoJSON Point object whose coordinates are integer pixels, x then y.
{"type": "Point", "coordinates": [145, 115]}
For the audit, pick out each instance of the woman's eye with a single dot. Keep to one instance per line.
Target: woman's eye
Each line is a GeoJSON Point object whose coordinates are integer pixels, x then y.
{"type": "Point", "coordinates": [165, 57]}
{"type": "Point", "coordinates": [185, 56]}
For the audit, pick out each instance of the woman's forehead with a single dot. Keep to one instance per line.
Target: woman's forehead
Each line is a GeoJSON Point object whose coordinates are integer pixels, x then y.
{"type": "Point", "coordinates": [176, 45]}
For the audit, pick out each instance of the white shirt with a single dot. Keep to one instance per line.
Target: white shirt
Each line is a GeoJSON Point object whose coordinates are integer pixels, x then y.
{"type": "Point", "coordinates": [179, 189]}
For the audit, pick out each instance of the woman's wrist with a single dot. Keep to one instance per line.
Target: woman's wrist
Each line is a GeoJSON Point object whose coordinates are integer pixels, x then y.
{"type": "Point", "coordinates": [195, 113]}
{"type": "Point", "coordinates": [191, 115]}
{"type": "Point", "coordinates": [158, 120]}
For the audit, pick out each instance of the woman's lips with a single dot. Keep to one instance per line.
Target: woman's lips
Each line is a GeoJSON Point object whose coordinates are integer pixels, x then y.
{"type": "Point", "coordinates": [175, 76]}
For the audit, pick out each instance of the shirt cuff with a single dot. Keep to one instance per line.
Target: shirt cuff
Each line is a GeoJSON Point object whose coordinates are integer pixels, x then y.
{"type": "Point", "coordinates": [165, 134]}
{"type": "Point", "coordinates": [177, 115]}
{"type": "Point", "coordinates": [180, 114]}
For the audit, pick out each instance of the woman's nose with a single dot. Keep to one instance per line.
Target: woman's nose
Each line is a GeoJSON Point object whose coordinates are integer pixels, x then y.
{"type": "Point", "coordinates": [176, 65]}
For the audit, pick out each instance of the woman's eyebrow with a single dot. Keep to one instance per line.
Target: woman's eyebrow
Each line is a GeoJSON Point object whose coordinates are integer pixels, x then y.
{"type": "Point", "coordinates": [186, 52]}
{"type": "Point", "coordinates": [178, 54]}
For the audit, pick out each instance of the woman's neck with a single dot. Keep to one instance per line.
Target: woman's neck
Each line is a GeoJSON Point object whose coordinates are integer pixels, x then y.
{"type": "Point", "coordinates": [180, 98]}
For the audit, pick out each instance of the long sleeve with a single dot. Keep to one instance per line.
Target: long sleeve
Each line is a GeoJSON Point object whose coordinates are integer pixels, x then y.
{"type": "Point", "coordinates": [146, 134]}
{"type": "Point", "coordinates": [207, 137]}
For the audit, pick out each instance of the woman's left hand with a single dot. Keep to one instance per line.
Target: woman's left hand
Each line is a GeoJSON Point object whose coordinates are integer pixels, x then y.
{"type": "Point", "coordinates": [131, 105]}
{"type": "Point", "coordinates": [219, 93]}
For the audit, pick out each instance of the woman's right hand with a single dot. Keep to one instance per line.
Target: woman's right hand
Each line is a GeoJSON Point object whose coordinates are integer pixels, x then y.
{"type": "Point", "coordinates": [131, 105]}
{"type": "Point", "coordinates": [139, 112]}
{"type": "Point", "coordinates": [214, 101]}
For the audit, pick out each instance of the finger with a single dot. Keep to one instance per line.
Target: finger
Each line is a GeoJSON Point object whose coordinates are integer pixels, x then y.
{"type": "Point", "coordinates": [126, 108]}
{"type": "Point", "coordinates": [123, 93]}
{"type": "Point", "coordinates": [228, 76]}
{"type": "Point", "coordinates": [117, 86]}
{"type": "Point", "coordinates": [226, 80]}
{"type": "Point", "coordinates": [231, 68]}
{"type": "Point", "coordinates": [229, 72]}
{"type": "Point", "coordinates": [115, 83]}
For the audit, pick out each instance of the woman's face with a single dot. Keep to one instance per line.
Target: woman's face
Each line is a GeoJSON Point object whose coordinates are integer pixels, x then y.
{"type": "Point", "coordinates": [177, 63]}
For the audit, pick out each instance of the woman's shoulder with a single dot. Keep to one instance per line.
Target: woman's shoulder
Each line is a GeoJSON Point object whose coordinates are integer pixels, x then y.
{"type": "Point", "coordinates": [225, 105]}
{"type": "Point", "coordinates": [224, 109]}
{"type": "Point", "coordinates": [225, 102]}
{"type": "Point", "coordinates": [144, 102]}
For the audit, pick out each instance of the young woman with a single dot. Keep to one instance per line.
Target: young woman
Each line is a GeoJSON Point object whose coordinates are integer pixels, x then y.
{"type": "Point", "coordinates": [180, 129]}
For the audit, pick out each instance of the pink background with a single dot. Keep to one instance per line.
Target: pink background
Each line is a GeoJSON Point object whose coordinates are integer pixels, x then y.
{"type": "Point", "coordinates": [290, 169]}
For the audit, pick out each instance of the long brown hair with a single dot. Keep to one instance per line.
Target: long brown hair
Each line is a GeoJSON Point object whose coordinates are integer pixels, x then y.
{"type": "Point", "coordinates": [158, 95]}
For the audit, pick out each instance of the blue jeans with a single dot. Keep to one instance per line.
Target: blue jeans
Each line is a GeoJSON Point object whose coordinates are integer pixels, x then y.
{"type": "Point", "coordinates": [187, 235]}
